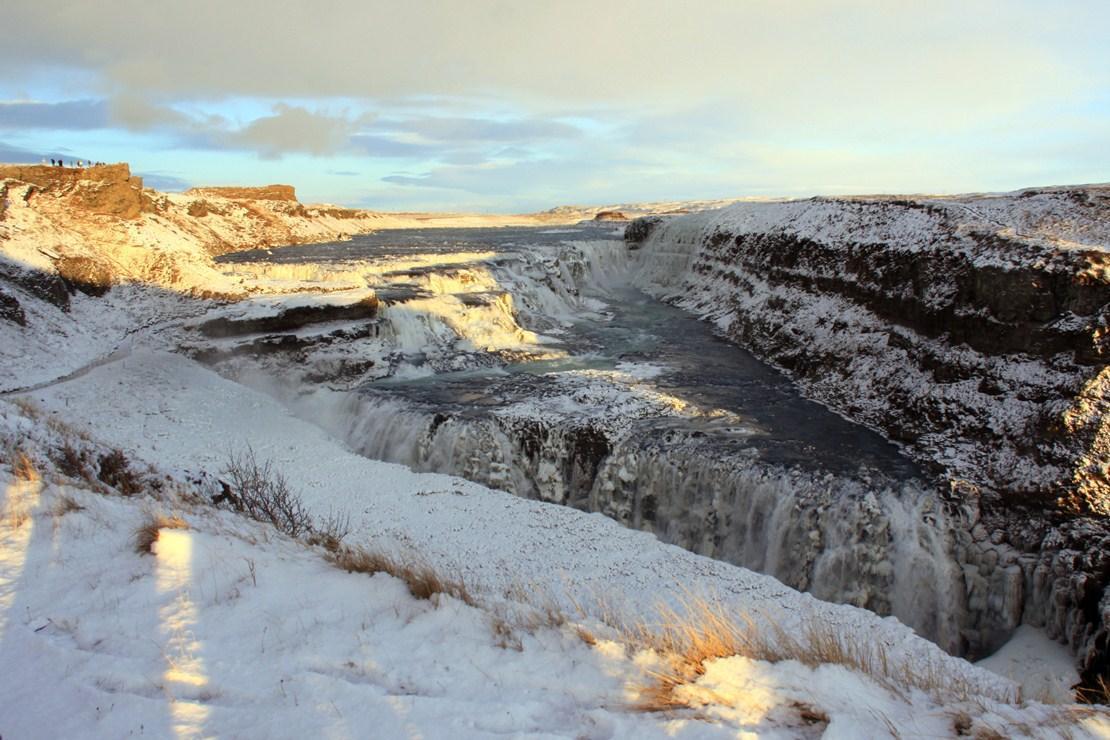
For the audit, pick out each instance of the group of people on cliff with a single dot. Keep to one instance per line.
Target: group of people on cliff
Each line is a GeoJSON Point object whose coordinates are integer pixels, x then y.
{"type": "Point", "coordinates": [78, 163]}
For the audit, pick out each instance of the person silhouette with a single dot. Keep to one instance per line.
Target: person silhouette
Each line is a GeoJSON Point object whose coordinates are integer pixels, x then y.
{"type": "Point", "coordinates": [51, 161]}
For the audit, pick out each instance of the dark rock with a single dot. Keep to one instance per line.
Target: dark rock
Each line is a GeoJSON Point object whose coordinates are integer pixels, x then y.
{"type": "Point", "coordinates": [10, 310]}
{"type": "Point", "coordinates": [87, 275]}
{"type": "Point", "coordinates": [290, 319]}
{"type": "Point", "coordinates": [640, 229]}
{"type": "Point", "coordinates": [45, 286]}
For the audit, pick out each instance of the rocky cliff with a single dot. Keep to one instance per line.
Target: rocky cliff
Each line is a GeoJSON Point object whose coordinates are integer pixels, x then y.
{"type": "Point", "coordinates": [98, 226]}
{"type": "Point", "coordinates": [104, 190]}
{"type": "Point", "coordinates": [973, 330]}
{"type": "Point", "coordinates": [264, 192]}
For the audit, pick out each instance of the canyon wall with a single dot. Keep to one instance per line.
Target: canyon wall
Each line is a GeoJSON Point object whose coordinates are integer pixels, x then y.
{"type": "Point", "coordinates": [972, 330]}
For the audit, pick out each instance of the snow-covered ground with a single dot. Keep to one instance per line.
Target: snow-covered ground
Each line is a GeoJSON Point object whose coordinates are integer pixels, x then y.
{"type": "Point", "coordinates": [229, 628]}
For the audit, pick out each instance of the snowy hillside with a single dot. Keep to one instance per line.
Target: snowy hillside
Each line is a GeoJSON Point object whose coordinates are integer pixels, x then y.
{"type": "Point", "coordinates": [230, 628]}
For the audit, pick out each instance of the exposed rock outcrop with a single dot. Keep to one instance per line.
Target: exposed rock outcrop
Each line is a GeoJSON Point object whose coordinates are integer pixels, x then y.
{"type": "Point", "coordinates": [262, 192]}
{"type": "Point", "coordinates": [105, 190]}
{"type": "Point", "coordinates": [291, 318]}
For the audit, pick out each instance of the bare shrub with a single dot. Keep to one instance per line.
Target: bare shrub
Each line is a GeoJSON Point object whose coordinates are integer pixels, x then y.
{"type": "Point", "coordinates": [147, 533]}
{"type": "Point", "coordinates": [263, 494]}
{"type": "Point", "coordinates": [423, 580]}
{"type": "Point", "coordinates": [114, 470]}
{"type": "Point", "coordinates": [330, 531]}
{"type": "Point", "coordinates": [72, 462]}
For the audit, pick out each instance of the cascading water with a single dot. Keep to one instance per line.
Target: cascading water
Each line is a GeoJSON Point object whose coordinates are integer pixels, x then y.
{"type": "Point", "coordinates": [626, 406]}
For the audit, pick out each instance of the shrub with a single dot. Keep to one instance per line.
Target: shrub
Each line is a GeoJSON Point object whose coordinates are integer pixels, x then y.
{"type": "Point", "coordinates": [329, 532]}
{"type": "Point", "coordinates": [72, 462]}
{"type": "Point", "coordinates": [115, 471]}
{"type": "Point", "coordinates": [263, 494]}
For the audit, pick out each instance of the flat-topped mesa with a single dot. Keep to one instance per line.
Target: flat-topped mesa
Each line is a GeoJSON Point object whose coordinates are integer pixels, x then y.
{"type": "Point", "coordinates": [107, 190]}
{"type": "Point", "coordinates": [260, 192]}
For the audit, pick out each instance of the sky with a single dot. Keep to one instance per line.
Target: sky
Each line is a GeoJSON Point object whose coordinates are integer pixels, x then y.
{"type": "Point", "coordinates": [498, 106]}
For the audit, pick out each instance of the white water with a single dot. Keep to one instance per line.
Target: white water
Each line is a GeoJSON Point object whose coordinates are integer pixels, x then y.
{"type": "Point", "coordinates": [808, 499]}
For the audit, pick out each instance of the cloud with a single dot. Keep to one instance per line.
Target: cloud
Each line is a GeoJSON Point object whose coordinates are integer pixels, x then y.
{"type": "Point", "coordinates": [461, 129]}
{"type": "Point", "coordinates": [288, 129]}
{"type": "Point", "coordinates": [385, 145]}
{"type": "Point", "coordinates": [967, 59]}
{"type": "Point", "coordinates": [626, 98]}
{"type": "Point", "coordinates": [22, 155]}
{"type": "Point", "coordinates": [68, 115]}
{"type": "Point", "coordinates": [138, 114]}
{"type": "Point", "coordinates": [164, 182]}
{"type": "Point", "coordinates": [292, 129]}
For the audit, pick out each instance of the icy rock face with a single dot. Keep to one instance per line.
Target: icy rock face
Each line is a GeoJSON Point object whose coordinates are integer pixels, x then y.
{"type": "Point", "coordinates": [973, 330]}
{"type": "Point", "coordinates": [860, 538]}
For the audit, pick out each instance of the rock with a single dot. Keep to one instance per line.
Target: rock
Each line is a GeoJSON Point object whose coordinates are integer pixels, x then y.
{"type": "Point", "coordinates": [610, 216]}
{"type": "Point", "coordinates": [263, 192]}
{"type": "Point", "coordinates": [640, 229]}
{"type": "Point", "coordinates": [10, 310]}
{"type": "Point", "coordinates": [85, 274]}
{"type": "Point", "coordinates": [290, 319]}
{"type": "Point", "coordinates": [107, 190]}
{"type": "Point", "coordinates": [42, 285]}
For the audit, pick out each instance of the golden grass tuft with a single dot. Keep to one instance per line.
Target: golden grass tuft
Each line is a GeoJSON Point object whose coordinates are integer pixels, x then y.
{"type": "Point", "coordinates": [706, 630]}
{"type": "Point", "coordinates": [147, 533]}
{"type": "Point", "coordinates": [422, 580]}
{"type": "Point", "coordinates": [23, 467]}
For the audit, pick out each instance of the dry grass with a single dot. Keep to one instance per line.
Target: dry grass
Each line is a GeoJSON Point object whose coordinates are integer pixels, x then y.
{"type": "Point", "coordinates": [114, 469]}
{"type": "Point", "coordinates": [706, 630]}
{"type": "Point", "coordinates": [72, 462]}
{"type": "Point", "coordinates": [147, 533]}
{"type": "Point", "coordinates": [983, 723]}
{"type": "Point", "coordinates": [23, 467]}
{"type": "Point", "coordinates": [29, 408]}
{"type": "Point", "coordinates": [422, 580]}
{"type": "Point", "coordinates": [1099, 693]}
{"type": "Point", "coordinates": [66, 505]}
{"type": "Point", "coordinates": [330, 531]}
{"type": "Point", "coordinates": [64, 429]}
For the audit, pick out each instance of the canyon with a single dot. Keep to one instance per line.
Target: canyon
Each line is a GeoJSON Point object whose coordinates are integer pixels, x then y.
{"type": "Point", "coordinates": [896, 403]}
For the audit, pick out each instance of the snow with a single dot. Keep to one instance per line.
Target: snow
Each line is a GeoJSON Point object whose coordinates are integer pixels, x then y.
{"type": "Point", "coordinates": [1042, 667]}
{"type": "Point", "coordinates": [231, 629]}
{"type": "Point", "coordinates": [228, 628]}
